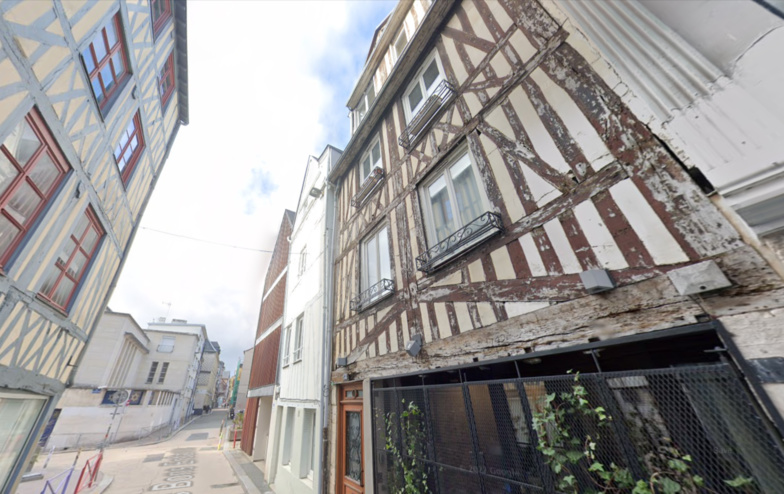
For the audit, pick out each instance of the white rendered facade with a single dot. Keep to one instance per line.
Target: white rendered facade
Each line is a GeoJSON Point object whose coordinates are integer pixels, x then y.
{"type": "Point", "coordinates": [294, 449]}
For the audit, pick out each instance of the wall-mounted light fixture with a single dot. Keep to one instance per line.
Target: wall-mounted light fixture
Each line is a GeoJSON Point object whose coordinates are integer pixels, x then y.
{"type": "Point", "coordinates": [315, 192]}
{"type": "Point", "coordinates": [415, 345]}
{"type": "Point", "coordinates": [597, 280]}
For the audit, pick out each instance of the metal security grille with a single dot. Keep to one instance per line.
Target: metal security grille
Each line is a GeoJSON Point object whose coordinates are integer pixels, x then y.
{"type": "Point", "coordinates": [478, 436]}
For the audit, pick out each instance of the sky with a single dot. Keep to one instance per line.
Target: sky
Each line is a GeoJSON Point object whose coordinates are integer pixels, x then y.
{"type": "Point", "coordinates": [268, 83]}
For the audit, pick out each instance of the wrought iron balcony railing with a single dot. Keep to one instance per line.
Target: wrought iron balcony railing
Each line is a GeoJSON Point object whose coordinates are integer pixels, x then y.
{"type": "Point", "coordinates": [484, 226]}
{"type": "Point", "coordinates": [371, 183]}
{"type": "Point", "coordinates": [441, 97]}
{"type": "Point", "coordinates": [375, 293]}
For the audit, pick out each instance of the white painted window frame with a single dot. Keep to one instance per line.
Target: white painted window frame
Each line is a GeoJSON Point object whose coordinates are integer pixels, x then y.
{"type": "Point", "coordinates": [299, 326]}
{"type": "Point", "coordinates": [364, 272]}
{"type": "Point", "coordinates": [286, 346]}
{"type": "Point", "coordinates": [368, 154]}
{"type": "Point", "coordinates": [418, 80]}
{"type": "Point", "coordinates": [424, 197]}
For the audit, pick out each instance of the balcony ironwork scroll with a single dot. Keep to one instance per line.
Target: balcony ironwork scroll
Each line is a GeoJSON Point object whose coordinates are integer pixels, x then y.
{"type": "Point", "coordinates": [371, 183]}
{"type": "Point", "coordinates": [375, 293]}
{"type": "Point", "coordinates": [441, 97]}
{"type": "Point", "coordinates": [482, 227]}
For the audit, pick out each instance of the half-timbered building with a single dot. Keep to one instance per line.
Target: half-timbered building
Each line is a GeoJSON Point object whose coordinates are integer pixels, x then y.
{"type": "Point", "coordinates": [92, 95]}
{"type": "Point", "coordinates": [513, 227]}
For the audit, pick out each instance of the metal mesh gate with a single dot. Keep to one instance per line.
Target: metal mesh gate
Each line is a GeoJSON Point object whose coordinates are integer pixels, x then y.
{"type": "Point", "coordinates": [477, 437]}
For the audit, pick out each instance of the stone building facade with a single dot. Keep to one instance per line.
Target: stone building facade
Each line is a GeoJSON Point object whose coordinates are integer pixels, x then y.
{"type": "Point", "coordinates": [509, 214]}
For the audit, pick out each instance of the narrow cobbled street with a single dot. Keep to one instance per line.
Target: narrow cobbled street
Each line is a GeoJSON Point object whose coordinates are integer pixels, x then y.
{"type": "Point", "coordinates": [188, 462]}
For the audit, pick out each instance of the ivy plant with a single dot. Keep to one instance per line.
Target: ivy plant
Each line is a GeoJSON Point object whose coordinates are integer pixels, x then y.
{"type": "Point", "coordinates": [409, 474]}
{"type": "Point", "coordinates": [572, 455]}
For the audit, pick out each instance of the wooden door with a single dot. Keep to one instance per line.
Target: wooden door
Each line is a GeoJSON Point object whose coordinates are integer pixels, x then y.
{"type": "Point", "coordinates": [351, 468]}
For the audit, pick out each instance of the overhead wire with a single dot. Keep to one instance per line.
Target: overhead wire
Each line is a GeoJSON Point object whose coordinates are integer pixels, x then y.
{"type": "Point", "coordinates": [206, 241]}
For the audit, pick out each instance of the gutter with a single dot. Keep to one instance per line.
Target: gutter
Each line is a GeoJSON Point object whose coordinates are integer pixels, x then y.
{"type": "Point", "coordinates": [326, 351]}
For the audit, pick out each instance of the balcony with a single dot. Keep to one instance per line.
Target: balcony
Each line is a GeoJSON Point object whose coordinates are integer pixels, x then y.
{"type": "Point", "coordinates": [471, 235]}
{"type": "Point", "coordinates": [441, 97]}
{"type": "Point", "coordinates": [375, 293]}
{"type": "Point", "coordinates": [371, 183]}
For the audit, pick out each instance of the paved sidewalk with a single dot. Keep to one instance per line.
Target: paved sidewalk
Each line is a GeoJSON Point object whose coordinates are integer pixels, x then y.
{"type": "Point", "coordinates": [60, 464]}
{"type": "Point", "coordinates": [247, 472]}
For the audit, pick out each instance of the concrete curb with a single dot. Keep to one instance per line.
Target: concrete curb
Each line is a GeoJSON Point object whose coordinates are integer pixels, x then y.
{"type": "Point", "coordinates": [247, 484]}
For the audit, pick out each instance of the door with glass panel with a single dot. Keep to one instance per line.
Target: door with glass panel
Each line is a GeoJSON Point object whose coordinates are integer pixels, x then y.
{"type": "Point", "coordinates": [350, 450]}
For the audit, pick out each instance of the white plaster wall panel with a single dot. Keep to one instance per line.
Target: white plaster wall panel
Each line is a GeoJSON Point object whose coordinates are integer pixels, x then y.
{"type": "Point", "coordinates": [540, 138]}
{"type": "Point", "coordinates": [532, 256]}
{"type": "Point", "coordinates": [522, 46]}
{"type": "Point", "coordinates": [393, 225]}
{"type": "Point", "coordinates": [382, 343]}
{"type": "Point", "coordinates": [500, 65]}
{"type": "Point", "coordinates": [664, 249]}
{"type": "Point", "coordinates": [464, 322]}
{"type": "Point", "coordinates": [541, 190]}
{"type": "Point", "coordinates": [575, 121]}
{"type": "Point", "coordinates": [362, 332]}
{"type": "Point", "coordinates": [514, 309]}
{"type": "Point", "coordinates": [458, 69]}
{"type": "Point", "coordinates": [502, 264]}
{"type": "Point", "coordinates": [476, 271]}
{"type": "Point", "coordinates": [393, 337]}
{"type": "Point", "coordinates": [562, 247]}
{"type": "Point", "coordinates": [599, 237]}
{"type": "Point", "coordinates": [473, 103]}
{"type": "Point", "coordinates": [451, 279]}
{"type": "Point", "coordinates": [504, 181]}
{"type": "Point", "coordinates": [425, 323]}
{"type": "Point", "coordinates": [404, 326]}
{"type": "Point", "coordinates": [442, 319]}
{"type": "Point", "coordinates": [486, 313]}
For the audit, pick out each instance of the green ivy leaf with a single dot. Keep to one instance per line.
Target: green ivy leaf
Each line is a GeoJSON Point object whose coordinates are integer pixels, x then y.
{"type": "Point", "coordinates": [668, 486]}
{"type": "Point", "coordinates": [596, 467]}
{"type": "Point", "coordinates": [739, 481]}
{"type": "Point", "coordinates": [698, 481]}
{"type": "Point", "coordinates": [574, 456]}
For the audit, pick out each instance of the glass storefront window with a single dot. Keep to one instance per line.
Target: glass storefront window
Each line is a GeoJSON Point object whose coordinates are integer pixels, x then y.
{"type": "Point", "coordinates": [19, 412]}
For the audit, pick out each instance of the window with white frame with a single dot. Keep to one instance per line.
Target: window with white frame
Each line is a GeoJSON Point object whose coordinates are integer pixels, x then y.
{"type": "Point", "coordinates": [303, 256]}
{"type": "Point", "coordinates": [286, 345]}
{"type": "Point", "coordinates": [370, 160]}
{"type": "Point", "coordinates": [452, 197]}
{"type": "Point", "coordinates": [166, 345]}
{"type": "Point", "coordinates": [423, 85]}
{"type": "Point", "coordinates": [375, 262]}
{"type": "Point", "coordinates": [298, 338]}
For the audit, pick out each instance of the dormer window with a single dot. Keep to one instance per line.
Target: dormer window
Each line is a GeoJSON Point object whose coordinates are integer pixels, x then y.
{"type": "Point", "coordinates": [364, 104]}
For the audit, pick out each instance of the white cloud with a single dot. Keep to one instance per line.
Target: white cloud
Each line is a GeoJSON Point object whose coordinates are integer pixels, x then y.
{"type": "Point", "coordinates": [268, 82]}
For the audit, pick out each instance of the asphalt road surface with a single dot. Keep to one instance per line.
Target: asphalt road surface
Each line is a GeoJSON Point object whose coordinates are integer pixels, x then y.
{"type": "Point", "coordinates": [189, 462]}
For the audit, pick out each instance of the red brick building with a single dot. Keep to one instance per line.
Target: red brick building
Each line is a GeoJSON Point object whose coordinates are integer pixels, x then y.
{"type": "Point", "coordinates": [264, 366]}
